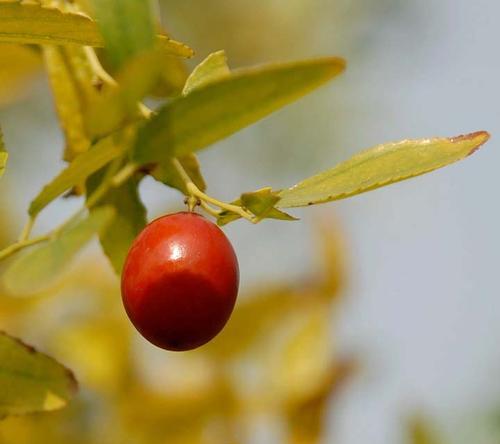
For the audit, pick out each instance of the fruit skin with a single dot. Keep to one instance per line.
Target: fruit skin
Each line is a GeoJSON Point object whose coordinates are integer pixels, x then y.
{"type": "Point", "coordinates": [180, 281]}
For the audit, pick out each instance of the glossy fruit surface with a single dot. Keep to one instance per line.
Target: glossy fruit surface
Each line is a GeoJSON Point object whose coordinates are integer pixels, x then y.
{"type": "Point", "coordinates": [180, 281]}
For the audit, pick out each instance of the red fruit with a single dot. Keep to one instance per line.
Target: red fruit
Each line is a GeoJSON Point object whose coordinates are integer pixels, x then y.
{"type": "Point", "coordinates": [180, 281]}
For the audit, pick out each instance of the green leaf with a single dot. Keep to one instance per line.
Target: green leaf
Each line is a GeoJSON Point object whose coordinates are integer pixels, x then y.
{"type": "Point", "coordinates": [213, 68]}
{"type": "Point", "coordinates": [39, 267]}
{"type": "Point", "coordinates": [168, 174]}
{"type": "Point", "coordinates": [31, 381]}
{"type": "Point", "coordinates": [129, 220]}
{"type": "Point", "coordinates": [380, 166]}
{"type": "Point", "coordinates": [261, 203]}
{"type": "Point", "coordinates": [71, 79]}
{"type": "Point", "coordinates": [77, 172]}
{"type": "Point", "coordinates": [128, 28]}
{"type": "Point", "coordinates": [117, 105]}
{"type": "Point", "coordinates": [225, 217]}
{"type": "Point", "coordinates": [35, 24]}
{"type": "Point", "coordinates": [221, 108]}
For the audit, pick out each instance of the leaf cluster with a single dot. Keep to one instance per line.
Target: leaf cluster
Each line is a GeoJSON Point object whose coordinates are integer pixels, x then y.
{"type": "Point", "coordinates": [103, 58]}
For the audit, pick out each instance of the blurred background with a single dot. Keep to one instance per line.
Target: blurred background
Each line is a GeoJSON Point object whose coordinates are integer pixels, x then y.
{"type": "Point", "coordinates": [418, 308]}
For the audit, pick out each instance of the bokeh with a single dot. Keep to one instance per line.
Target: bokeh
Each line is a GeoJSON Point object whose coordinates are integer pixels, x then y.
{"type": "Point", "coordinates": [410, 327]}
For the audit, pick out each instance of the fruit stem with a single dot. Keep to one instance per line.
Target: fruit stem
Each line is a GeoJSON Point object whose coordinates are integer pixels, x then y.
{"type": "Point", "coordinates": [205, 199]}
{"type": "Point", "coordinates": [209, 209]}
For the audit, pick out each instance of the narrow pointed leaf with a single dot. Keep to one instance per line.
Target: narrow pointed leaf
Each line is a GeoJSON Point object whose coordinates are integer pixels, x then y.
{"type": "Point", "coordinates": [35, 24]}
{"type": "Point", "coordinates": [221, 108]}
{"type": "Point", "coordinates": [76, 173]}
{"type": "Point", "coordinates": [38, 268]}
{"type": "Point", "coordinates": [129, 220]}
{"type": "Point", "coordinates": [31, 381]}
{"type": "Point", "coordinates": [380, 166]}
{"type": "Point", "coordinates": [71, 96]}
{"type": "Point", "coordinates": [213, 68]}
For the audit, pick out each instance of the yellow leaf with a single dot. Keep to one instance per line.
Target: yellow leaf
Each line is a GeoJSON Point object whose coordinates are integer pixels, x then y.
{"type": "Point", "coordinates": [213, 68]}
{"type": "Point", "coordinates": [380, 166]}
{"type": "Point", "coordinates": [332, 256]}
{"type": "Point", "coordinates": [71, 96]}
{"type": "Point", "coordinates": [35, 24]}
{"type": "Point", "coordinates": [20, 65]}
{"type": "Point", "coordinates": [303, 360]}
{"type": "Point", "coordinates": [253, 317]}
{"type": "Point", "coordinates": [76, 172]}
{"type": "Point", "coordinates": [32, 23]}
{"type": "Point", "coordinates": [307, 416]}
{"type": "Point", "coordinates": [3, 161]}
{"type": "Point", "coordinates": [98, 350]}
{"type": "Point", "coordinates": [31, 381]}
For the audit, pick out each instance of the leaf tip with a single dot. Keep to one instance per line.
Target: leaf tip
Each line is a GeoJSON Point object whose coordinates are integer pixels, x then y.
{"type": "Point", "coordinates": [72, 381]}
{"type": "Point", "coordinates": [478, 138]}
{"type": "Point", "coordinates": [336, 65]}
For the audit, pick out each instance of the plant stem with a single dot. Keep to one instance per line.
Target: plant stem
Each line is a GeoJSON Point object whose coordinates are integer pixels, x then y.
{"type": "Point", "coordinates": [103, 75]}
{"type": "Point", "coordinates": [193, 190]}
{"type": "Point", "coordinates": [96, 66]}
{"type": "Point", "coordinates": [209, 209]}
{"type": "Point", "coordinates": [124, 174]}
{"type": "Point", "coordinates": [25, 234]}
{"type": "Point", "coordinates": [11, 249]}
{"type": "Point", "coordinates": [112, 180]}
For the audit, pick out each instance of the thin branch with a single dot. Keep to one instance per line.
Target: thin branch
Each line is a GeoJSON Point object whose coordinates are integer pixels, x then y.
{"type": "Point", "coordinates": [193, 190]}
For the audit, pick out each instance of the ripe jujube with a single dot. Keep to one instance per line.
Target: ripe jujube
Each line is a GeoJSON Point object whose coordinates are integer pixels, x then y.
{"type": "Point", "coordinates": [180, 281]}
